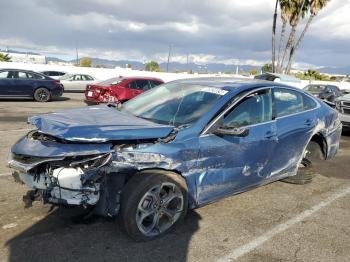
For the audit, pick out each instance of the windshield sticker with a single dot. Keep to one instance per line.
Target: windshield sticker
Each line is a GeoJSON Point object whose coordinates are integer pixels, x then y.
{"type": "Point", "coordinates": [216, 91]}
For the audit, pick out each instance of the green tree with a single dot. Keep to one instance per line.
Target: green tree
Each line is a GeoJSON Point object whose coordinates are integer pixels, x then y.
{"type": "Point", "coordinates": [253, 72]}
{"type": "Point", "coordinates": [5, 58]}
{"type": "Point", "coordinates": [315, 7]}
{"type": "Point", "coordinates": [267, 68]}
{"type": "Point", "coordinates": [152, 66]}
{"type": "Point", "coordinates": [85, 62]}
{"type": "Point", "coordinates": [312, 74]}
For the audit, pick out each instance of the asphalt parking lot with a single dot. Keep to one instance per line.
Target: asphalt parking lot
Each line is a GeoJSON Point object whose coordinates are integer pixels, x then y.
{"type": "Point", "coordinates": [277, 222]}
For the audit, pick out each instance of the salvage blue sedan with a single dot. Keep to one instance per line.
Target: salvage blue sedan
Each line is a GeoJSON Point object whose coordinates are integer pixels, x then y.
{"type": "Point", "coordinates": [176, 147]}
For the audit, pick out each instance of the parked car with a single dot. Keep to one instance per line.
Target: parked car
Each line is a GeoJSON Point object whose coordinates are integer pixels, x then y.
{"type": "Point", "coordinates": [76, 82]}
{"type": "Point", "coordinates": [119, 89]}
{"type": "Point", "coordinates": [54, 74]}
{"type": "Point", "coordinates": [281, 78]}
{"type": "Point", "coordinates": [24, 83]}
{"type": "Point", "coordinates": [325, 92]}
{"type": "Point", "coordinates": [342, 104]}
{"type": "Point", "coordinates": [179, 146]}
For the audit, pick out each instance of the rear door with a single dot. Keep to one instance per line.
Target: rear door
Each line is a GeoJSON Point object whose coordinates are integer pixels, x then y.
{"type": "Point", "coordinates": [26, 83]}
{"type": "Point", "coordinates": [295, 120]}
{"type": "Point", "coordinates": [7, 83]}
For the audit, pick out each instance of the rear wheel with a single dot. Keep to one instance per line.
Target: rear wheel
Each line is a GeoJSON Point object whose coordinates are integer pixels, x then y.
{"type": "Point", "coordinates": [42, 95]}
{"type": "Point", "coordinates": [153, 203]}
{"type": "Point", "coordinates": [305, 173]}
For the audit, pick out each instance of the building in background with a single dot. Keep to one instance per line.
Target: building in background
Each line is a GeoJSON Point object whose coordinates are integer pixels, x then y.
{"type": "Point", "coordinates": [25, 57]}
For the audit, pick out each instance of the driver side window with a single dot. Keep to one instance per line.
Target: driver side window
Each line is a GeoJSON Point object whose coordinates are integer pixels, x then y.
{"type": "Point", "coordinates": [254, 109]}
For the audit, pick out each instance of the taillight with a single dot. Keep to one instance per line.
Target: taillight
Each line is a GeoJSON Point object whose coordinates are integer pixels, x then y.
{"type": "Point", "coordinates": [57, 82]}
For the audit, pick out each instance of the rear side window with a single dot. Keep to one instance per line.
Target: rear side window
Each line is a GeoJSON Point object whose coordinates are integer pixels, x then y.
{"type": "Point", "coordinates": [78, 78]}
{"type": "Point", "coordinates": [154, 83]}
{"type": "Point", "coordinates": [254, 109]}
{"type": "Point", "coordinates": [142, 84]}
{"type": "Point", "coordinates": [288, 102]}
{"type": "Point", "coordinates": [88, 78]}
{"type": "Point", "coordinates": [309, 103]}
{"type": "Point", "coordinates": [132, 85]}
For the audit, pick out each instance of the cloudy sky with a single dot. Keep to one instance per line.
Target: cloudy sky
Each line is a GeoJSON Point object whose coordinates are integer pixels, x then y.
{"type": "Point", "coordinates": [209, 31]}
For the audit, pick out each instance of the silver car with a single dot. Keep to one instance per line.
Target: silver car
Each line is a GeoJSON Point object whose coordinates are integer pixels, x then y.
{"type": "Point", "coordinates": [343, 106]}
{"type": "Point", "coordinates": [77, 82]}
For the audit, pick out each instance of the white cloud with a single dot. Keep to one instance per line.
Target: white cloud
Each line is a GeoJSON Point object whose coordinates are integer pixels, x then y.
{"type": "Point", "coordinates": [210, 31]}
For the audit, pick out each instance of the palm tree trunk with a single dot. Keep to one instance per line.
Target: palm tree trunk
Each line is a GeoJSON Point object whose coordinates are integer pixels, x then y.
{"type": "Point", "coordinates": [298, 43]}
{"type": "Point", "coordinates": [274, 39]}
{"type": "Point", "coordinates": [283, 32]}
{"type": "Point", "coordinates": [288, 46]}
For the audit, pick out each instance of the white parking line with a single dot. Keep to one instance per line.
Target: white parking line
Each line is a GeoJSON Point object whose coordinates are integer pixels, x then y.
{"type": "Point", "coordinates": [17, 130]}
{"type": "Point", "coordinates": [255, 243]}
{"type": "Point", "coordinates": [5, 174]}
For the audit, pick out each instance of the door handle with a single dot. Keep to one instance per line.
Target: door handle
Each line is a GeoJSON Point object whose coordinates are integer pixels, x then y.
{"type": "Point", "coordinates": [270, 135]}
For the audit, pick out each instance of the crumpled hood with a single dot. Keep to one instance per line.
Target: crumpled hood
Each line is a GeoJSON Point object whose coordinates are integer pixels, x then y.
{"type": "Point", "coordinates": [98, 124]}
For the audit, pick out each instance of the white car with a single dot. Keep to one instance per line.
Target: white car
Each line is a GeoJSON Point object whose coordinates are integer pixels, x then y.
{"type": "Point", "coordinates": [54, 74]}
{"type": "Point", "coordinates": [77, 82]}
{"type": "Point", "coordinates": [342, 104]}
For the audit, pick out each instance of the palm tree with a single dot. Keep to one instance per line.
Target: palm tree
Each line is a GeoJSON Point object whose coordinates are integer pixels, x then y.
{"type": "Point", "coordinates": [315, 8]}
{"type": "Point", "coordinates": [285, 7]}
{"type": "Point", "coordinates": [5, 58]}
{"type": "Point", "coordinates": [298, 10]}
{"type": "Point", "coordinates": [274, 39]}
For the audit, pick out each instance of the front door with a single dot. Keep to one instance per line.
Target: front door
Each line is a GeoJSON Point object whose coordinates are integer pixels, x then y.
{"type": "Point", "coordinates": [230, 163]}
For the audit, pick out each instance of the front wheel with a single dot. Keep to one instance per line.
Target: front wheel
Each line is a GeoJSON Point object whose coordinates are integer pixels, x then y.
{"type": "Point", "coordinates": [153, 203]}
{"type": "Point", "coordinates": [42, 95]}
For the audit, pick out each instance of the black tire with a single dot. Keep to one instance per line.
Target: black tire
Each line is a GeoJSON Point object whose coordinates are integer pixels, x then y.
{"type": "Point", "coordinates": [135, 195]}
{"type": "Point", "coordinates": [305, 173]}
{"type": "Point", "coordinates": [42, 94]}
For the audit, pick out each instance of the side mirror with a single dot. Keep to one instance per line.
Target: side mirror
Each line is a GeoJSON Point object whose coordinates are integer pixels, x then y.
{"type": "Point", "coordinates": [235, 131]}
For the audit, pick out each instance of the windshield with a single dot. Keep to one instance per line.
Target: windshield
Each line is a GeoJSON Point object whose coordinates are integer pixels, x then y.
{"type": "Point", "coordinates": [174, 104]}
{"type": "Point", "coordinates": [111, 81]}
{"type": "Point", "coordinates": [315, 89]}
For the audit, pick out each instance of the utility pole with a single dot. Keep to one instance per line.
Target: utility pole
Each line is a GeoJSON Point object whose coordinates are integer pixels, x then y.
{"type": "Point", "coordinates": [77, 56]}
{"type": "Point", "coordinates": [187, 61]}
{"type": "Point", "coordinates": [167, 65]}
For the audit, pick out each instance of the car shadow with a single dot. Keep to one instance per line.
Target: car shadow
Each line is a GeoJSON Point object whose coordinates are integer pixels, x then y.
{"type": "Point", "coordinates": [57, 238]}
{"type": "Point", "coordinates": [58, 99]}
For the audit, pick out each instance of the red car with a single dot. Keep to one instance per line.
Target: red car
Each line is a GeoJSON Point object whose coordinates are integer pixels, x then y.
{"type": "Point", "coordinates": [119, 89]}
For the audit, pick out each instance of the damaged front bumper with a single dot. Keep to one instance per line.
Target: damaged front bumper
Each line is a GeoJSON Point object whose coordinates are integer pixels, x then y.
{"type": "Point", "coordinates": [68, 174]}
{"type": "Point", "coordinates": [70, 185]}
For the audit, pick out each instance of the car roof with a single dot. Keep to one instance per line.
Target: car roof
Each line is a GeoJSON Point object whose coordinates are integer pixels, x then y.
{"type": "Point", "coordinates": [140, 78]}
{"type": "Point", "coordinates": [282, 77]}
{"type": "Point", "coordinates": [230, 83]}
{"type": "Point", "coordinates": [15, 69]}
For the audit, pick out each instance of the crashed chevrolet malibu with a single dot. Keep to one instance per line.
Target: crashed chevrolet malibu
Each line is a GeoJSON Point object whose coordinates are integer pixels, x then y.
{"type": "Point", "coordinates": [176, 147]}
